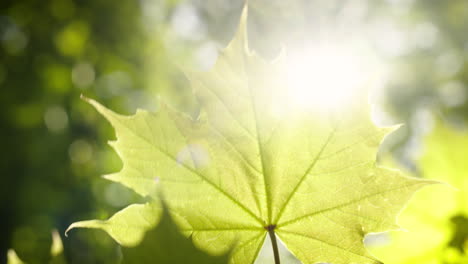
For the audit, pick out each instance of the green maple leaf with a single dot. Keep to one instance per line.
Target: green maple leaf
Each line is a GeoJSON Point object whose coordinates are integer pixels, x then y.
{"type": "Point", "coordinates": [252, 165]}
{"type": "Point", "coordinates": [437, 218]}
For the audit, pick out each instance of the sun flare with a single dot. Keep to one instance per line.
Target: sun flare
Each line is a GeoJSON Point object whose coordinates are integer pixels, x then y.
{"type": "Point", "coordinates": [324, 77]}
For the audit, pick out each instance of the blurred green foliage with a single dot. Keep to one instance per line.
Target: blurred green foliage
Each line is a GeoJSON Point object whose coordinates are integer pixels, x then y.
{"type": "Point", "coordinates": [126, 53]}
{"type": "Point", "coordinates": [55, 255]}
{"type": "Point", "coordinates": [436, 220]}
{"type": "Point", "coordinates": [51, 52]}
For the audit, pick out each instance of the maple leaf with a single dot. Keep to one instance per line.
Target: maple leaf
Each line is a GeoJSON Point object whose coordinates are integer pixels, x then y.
{"type": "Point", "coordinates": [252, 165]}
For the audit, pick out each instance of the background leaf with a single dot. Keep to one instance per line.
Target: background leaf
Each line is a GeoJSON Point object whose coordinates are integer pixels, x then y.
{"type": "Point", "coordinates": [436, 219]}
{"type": "Point", "coordinates": [165, 244]}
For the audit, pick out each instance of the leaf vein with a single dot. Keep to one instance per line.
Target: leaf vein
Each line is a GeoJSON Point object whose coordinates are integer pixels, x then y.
{"type": "Point", "coordinates": [345, 204]}
{"type": "Point", "coordinates": [196, 173]}
{"type": "Point", "coordinates": [330, 244]}
{"type": "Point", "coordinates": [302, 179]}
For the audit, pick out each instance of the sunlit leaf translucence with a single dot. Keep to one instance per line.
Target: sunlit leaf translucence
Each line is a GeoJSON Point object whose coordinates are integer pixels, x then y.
{"type": "Point", "coordinates": [253, 164]}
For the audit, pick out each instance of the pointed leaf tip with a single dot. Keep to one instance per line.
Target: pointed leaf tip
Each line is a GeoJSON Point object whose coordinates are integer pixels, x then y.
{"type": "Point", "coordinates": [68, 229]}
{"type": "Point", "coordinates": [88, 100]}
{"type": "Point", "coordinates": [104, 111]}
{"type": "Point", "coordinates": [92, 102]}
{"type": "Point", "coordinates": [240, 39]}
{"type": "Point", "coordinates": [243, 26]}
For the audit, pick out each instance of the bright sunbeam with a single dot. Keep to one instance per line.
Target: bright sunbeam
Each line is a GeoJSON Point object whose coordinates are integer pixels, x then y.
{"type": "Point", "coordinates": [324, 77]}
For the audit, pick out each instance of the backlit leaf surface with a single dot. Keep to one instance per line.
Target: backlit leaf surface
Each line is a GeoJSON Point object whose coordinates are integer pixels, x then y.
{"type": "Point", "coordinates": [253, 160]}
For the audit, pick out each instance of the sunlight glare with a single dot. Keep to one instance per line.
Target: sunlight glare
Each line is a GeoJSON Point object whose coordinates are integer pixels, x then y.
{"type": "Point", "coordinates": [324, 78]}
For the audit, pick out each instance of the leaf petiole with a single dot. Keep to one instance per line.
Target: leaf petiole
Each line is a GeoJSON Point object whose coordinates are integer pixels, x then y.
{"type": "Point", "coordinates": [274, 243]}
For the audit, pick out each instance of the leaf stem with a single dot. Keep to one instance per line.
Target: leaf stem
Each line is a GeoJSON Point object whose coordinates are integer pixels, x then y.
{"type": "Point", "coordinates": [274, 243]}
